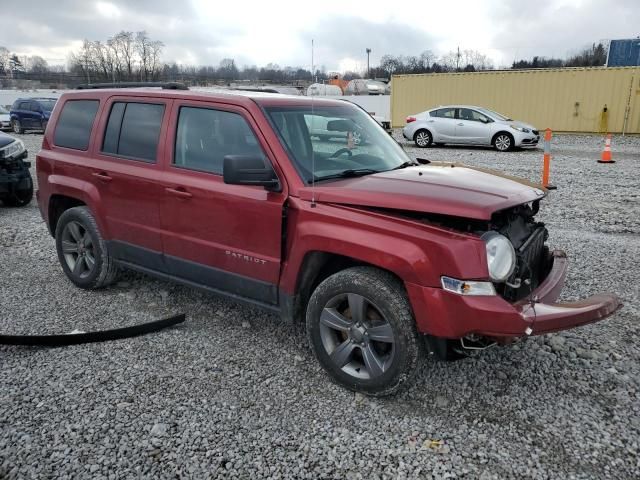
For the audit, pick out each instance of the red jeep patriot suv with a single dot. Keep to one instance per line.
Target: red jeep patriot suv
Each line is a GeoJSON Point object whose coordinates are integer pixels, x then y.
{"type": "Point", "coordinates": [269, 200]}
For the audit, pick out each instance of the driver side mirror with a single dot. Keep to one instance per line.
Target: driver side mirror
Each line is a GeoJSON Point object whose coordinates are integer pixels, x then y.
{"type": "Point", "coordinates": [249, 170]}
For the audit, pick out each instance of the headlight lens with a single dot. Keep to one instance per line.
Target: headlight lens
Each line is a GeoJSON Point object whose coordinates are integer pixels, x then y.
{"type": "Point", "coordinates": [501, 256]}
{"type": "Point", "coordinates": [14, 148]}
{"type": "Point", "coordinates": [520, 129]}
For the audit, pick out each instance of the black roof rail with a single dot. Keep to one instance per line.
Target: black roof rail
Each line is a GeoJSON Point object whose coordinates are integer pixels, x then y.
{"type": "Point", "coordinates": [163, 85]}
{"type": "Point", "coordinates": [256, 89]}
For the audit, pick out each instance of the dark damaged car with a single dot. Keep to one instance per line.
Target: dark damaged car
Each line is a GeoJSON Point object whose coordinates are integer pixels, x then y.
{"type": "Point", "coordinates": [16, 184]}
{"type": "Point", "coordinates": [380, 257]}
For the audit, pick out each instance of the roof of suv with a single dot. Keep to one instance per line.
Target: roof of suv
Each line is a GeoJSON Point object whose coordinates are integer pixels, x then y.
{"type": "Point", "coordinates": [238, 97]}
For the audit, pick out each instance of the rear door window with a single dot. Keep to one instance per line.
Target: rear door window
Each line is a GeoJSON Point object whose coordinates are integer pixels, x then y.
{"type": "Point", "coordinates": [133, 130]}
{"type": "Point", "coordinates": [73, 129]}
{"type": "Point", "coordinates": [446, 113]}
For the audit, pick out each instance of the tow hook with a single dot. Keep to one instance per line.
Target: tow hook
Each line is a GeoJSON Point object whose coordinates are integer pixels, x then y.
{"type": "Point", "coordinates": [76, 338]}
{"type": "Point", "coordinates": [476, 342]}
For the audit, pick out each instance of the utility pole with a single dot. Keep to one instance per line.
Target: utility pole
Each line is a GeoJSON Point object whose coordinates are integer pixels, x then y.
{"type": "Point", "coordinates": [312, 69]}
{"type": "Point", "coordinates": [368, 70]}
{"type": "Point", "coordinates": [458, 60]}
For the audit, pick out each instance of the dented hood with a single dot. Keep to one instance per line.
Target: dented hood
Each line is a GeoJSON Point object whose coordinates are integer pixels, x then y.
{"type": "Point", "coordinates": [447, 189]}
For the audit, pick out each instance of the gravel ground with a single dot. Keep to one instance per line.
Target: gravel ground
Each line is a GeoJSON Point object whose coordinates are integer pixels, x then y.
{"type": "Point", "coordinates": [235, 393]}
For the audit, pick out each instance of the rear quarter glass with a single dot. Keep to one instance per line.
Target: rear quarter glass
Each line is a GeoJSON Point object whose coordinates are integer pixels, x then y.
{"type": "Point", "coordinates": [75, 123]}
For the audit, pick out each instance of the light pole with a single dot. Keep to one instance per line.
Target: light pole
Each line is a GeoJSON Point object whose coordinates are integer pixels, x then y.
{"type": "Point", "coordinates": [368, 71]}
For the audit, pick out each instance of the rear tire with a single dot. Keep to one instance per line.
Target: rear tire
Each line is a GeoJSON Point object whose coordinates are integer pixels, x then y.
{"type": "Point", "coordinates": [376, 351]}
{"type": "Point", "coordinates": [17, 126]}
{"type": "Point", "coordinates": [423, 138]}
{"type": "Point", "coordinates": [82, 251]}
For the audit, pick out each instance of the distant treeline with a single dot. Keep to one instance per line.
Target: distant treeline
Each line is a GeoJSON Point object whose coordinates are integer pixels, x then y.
{"type": "Point", "coordinates": [134, 56]}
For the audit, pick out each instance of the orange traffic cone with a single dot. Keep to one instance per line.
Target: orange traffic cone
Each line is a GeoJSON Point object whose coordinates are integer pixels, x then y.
{"type": "Point", "coordinates": [606, 153]}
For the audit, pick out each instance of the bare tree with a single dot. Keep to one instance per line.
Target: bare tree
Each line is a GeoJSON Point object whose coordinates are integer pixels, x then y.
{"type": "Point", "coordinates": [4, 60]}
{"type": "Point", "coordinates": [124, 45]}
{"type": "Point", "coordinates": [143, 49]}
{"type": "Point", "coordinates": [38, 65]}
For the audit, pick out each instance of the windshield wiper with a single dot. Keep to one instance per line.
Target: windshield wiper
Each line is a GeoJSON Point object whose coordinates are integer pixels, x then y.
{"type": "Point", "coordinates": [409, 163]}
{"type": "Point", "coordinates": [352, 172]}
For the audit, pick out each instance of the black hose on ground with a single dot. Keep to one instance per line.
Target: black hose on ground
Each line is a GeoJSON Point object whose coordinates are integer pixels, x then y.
{"type": "Point", "coordinates": [91, 337]}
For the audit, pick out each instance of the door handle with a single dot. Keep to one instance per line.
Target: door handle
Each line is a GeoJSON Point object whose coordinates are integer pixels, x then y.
{"type": "Point", "coordinates": [461, 124]}
{"type": "Point", "coordinates": [430, 121]}
{"type": "Point", "coordinates": [102, 176]}
{"type": "Point", "coordinates": [178, 192]}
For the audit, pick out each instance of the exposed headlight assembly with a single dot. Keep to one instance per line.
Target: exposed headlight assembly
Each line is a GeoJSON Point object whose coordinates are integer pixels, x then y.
{"type": "Point", "coordinates": [520, 129]}
{"type": "Point", "coordinates": [501, 256]}
{"type": "Point", "coordinates": [466, 287]}
{"type": "Point", "coordinates": [13, 149]}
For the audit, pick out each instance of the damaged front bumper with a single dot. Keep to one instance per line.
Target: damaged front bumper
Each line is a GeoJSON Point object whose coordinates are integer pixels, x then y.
{"type": "Point", "coordinates": [448, 315]}
{"type": "Point", "coordinates": [14, 174]}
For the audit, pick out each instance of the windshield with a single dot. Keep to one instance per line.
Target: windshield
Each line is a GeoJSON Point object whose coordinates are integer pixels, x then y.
{"type": "Point", "coordinates": [491, 113]}
{"type": "Point", "coordinates": [328, 142]}
{"type": "Point", "coordinates": [3, 111]}
{"type": "Point", "coordinates": [47, 104]}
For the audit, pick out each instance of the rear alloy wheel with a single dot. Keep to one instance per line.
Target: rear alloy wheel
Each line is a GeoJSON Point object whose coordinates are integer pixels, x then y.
{"type": "Point", "coordinates": [362, 331]}
{"type": "Point", "coordinates": [82, 251]}
{"type": "Point", "coordinates": [17, 126]}
{"type": "Point", "coordinates": [422, 138]}
{"type": "Point", "coordinates": [503, 142]}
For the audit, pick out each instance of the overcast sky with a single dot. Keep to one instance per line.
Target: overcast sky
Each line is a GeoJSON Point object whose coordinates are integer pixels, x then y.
{"type": "Point", "coordinates": [256, 32]}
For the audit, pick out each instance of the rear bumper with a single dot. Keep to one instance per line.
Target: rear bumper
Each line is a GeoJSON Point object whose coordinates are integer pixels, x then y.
{"type": "Point", "coordinates": [445, 314]}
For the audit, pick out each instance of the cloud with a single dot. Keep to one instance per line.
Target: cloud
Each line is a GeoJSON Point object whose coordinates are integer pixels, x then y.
{"type": "Point", "coordinates": [559, 28]}
{"type": "Point", "coordinates": [256, 32]}
{"type": "Point", "coordinates": [339, 37]}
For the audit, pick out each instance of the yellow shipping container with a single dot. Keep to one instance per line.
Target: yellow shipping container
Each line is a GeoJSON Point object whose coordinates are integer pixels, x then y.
{"type": "Point", "coordinates": [566, 100]}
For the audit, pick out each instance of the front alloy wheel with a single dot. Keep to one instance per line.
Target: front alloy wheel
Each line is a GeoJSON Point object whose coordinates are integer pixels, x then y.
{"type": "Point", "coordinates": [503, 142]}
{"type": "Point", "coordinates": [356, 336]}
{"type": "Point", "coordinates": [361, 328]}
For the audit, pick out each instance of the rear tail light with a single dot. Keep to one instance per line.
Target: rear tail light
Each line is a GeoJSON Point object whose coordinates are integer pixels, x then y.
{"type": "Point", "coordinates": [411, 119]}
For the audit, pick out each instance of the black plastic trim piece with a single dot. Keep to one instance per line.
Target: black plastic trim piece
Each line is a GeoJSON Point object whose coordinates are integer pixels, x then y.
{"type": "Point", "coordinates": [165, 276]}
{"type": "Point", "coordinates": [91, 337]}
{"type": "Point", "coordinates": [163, 85]}
{"type": "Point", "coordinates": [193, 273]}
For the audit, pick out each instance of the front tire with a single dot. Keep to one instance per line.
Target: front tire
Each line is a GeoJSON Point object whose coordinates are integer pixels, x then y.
{"type": "Point", "coordinates": [17, 127]}
{"type": "Point", "coordinates": [20, 198]}
{"type": "Point", "coordinates": [82, 251]}
{"type": "Point", "coordinates": [503, 142]}
{"type": "Point", "coordinates": [362, 331]}
{"type": "Point", "coordinates": [423, 138]}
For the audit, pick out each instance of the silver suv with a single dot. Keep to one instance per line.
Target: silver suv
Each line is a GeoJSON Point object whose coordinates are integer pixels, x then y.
{"type": "Point", "coordinates": [468, 125]}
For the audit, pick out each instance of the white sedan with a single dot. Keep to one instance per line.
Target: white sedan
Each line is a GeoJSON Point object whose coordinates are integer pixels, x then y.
{"type": "Point", "coordinates": [5, 120]}
{"type": "Point", "coordinates": [469, 125]}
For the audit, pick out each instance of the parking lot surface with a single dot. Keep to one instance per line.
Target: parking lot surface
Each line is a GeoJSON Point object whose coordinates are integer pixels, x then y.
{"type": "Point", "coordinates": [236, 393]}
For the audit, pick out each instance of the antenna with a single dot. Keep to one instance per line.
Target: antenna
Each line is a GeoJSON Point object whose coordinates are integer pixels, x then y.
{"type": "Point", "coordinates": [313, 160]}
